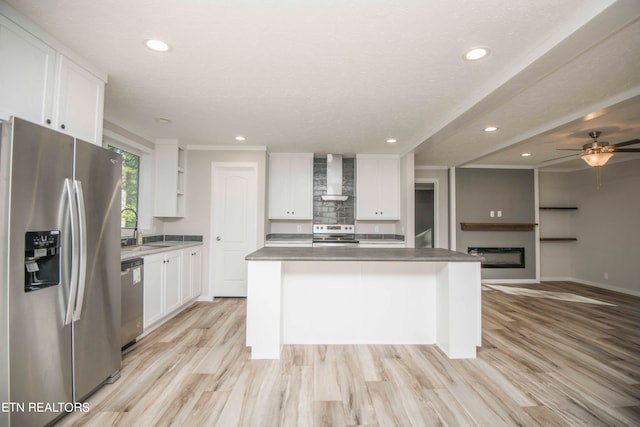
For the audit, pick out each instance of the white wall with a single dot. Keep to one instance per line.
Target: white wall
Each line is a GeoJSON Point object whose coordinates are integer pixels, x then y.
{"type": "Point", "coordinates": [407, 199]}
{"type": "Point", "coordinates": [441, 176]}
{"type": "Point", "coordinates": [198, 194]}
{"type": "Point", "coordinates": [606, 224]}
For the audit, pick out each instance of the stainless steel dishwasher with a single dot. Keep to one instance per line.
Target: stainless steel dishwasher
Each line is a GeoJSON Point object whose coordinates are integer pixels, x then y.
{"type": "Point", "coordinates": [132, 275]}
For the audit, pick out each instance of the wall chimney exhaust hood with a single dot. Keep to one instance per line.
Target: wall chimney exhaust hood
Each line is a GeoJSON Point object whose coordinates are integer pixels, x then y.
{"type": "Point", "coordinates": [334, 179]}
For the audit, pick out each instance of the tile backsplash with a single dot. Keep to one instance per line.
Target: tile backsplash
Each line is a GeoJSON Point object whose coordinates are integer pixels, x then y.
{"type": "Point", "coordinates": [333, 212]}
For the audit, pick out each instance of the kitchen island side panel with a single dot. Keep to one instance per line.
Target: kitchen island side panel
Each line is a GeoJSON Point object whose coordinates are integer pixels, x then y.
{"type": "Point", "coordinates": [358, 303]}
{"type": "Point", "coordinates": [459, 309]}
{"type": "Point", "coordinates": [264, 309]}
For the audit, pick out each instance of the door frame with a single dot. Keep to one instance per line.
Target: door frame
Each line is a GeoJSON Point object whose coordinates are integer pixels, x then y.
{"type": "Point", "coordinates": [436, 207]}
{"type": "Point", "coordinates": [219, 166]}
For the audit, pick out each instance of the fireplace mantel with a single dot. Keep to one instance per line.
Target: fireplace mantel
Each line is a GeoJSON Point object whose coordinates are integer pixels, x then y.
{"type": "Point", "coordinates": [498, 226]}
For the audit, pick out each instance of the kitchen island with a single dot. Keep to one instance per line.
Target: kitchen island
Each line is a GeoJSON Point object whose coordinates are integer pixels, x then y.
{"type": "Point", "coordinates": [343, 295]}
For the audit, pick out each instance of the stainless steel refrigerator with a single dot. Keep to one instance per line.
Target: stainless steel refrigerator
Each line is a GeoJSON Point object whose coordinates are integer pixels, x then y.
{"type": "Point", "coordinates": [60, 264]}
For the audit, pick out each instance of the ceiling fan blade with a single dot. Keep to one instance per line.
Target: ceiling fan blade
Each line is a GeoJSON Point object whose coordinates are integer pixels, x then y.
{"type": "Point", "coordinates": [627, 150]}
{"type": "Point", "coordinates": [568, 149]}
{"type": "Point", "coordinates": [558, 158]}
{"type": "Point", "coordinates": [625, 143]}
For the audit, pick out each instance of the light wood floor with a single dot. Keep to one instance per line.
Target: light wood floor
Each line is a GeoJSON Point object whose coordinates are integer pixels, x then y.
{"type": "Point", "coordinates": [544, 361]}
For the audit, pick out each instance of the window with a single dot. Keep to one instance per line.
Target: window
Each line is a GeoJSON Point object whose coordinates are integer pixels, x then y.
{"type": "Point", "coordinates": [130, 179]}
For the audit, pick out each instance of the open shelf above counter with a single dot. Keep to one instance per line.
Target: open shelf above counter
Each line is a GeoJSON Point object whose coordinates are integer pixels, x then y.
{"type": "Point", "coordinates": [498, 226]}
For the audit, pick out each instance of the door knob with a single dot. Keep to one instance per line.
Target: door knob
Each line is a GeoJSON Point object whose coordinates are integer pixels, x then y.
{"type": "Point", "coordinates": [218, 238]}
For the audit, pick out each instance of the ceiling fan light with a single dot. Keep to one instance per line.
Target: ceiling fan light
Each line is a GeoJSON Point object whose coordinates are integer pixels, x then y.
{"type": "Point", "coordinates": [597, 159]}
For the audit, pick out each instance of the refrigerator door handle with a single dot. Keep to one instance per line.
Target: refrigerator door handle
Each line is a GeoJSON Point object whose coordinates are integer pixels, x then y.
{"type": "Point", "coordinates": [73, 283]}
{"type": "Point", "coordinates": [82, 240]}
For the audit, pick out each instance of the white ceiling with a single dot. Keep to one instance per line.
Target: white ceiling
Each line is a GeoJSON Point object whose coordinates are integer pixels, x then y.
{"type": "Point", "coordinates": [343, 76]}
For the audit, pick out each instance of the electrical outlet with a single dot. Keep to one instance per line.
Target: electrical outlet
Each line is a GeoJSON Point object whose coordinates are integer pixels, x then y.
{"type": "Point", "coordinates": [499, 214]}
{"type": "Point", "coordinates": [492, 214]}
{"type": "Point", "coordinates": [606, 276]}
{"type": "Point", "coordinates": [299, 228]}
{"type": "Point", "coordinates": [376, 229]}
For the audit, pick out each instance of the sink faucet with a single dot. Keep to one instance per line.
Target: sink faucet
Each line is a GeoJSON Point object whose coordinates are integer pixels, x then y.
{"type": "Point", "coordinates": [135, 228]}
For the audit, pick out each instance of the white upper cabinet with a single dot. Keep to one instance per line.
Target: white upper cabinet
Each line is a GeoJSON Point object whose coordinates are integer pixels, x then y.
{"type": "Point", "coordinates": [27, 72]}
{"type": "Point", "coordinates": [39, 84]}
{"type": "Point", "coordinates": [378, 187]}
{"type": "Point", "coordinates": [291, 186]}
{"type": "Point", "coordinates": [170, 179]}
{"type": "Point", "coordinates": [79, 102]}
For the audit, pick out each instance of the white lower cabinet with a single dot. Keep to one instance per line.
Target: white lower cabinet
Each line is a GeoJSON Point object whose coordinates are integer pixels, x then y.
{"type": "Point", "coordinates": [191, 273]}
{"type": "Point", "coordinates": [171, 279]}
{"type": "Point", "coordinates": [153, 288]}
{"type": "Point", "coordinates": [172, 276]}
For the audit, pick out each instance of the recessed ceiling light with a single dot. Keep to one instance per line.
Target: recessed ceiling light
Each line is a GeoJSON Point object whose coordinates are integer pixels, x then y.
{"type": "Point", "coordinates": [240, 138]}
{"type": "Point", "coordinates": [490, 129]}
{"type": "Point", "coordinates": [162, 120]}
{"type": "Point", "coordinates": [476, 53]}
{"type": "Point", "coordinates": [157, 45]}
{"type": "Point", "coordinates": [391, 141]}
{"type": "Point", "coordinates": [526, 154]}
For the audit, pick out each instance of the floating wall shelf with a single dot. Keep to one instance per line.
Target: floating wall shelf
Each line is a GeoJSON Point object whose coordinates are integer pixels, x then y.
{"type": "Point", "coordinates": [558, 208]}
{"type": "Point", "coordinates": [558, 239]}
{"type": "Point", "coordinates": [498, 226]}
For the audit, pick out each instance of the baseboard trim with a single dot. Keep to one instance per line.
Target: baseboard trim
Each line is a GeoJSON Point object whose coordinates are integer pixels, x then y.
{"type": "Point", "coordinates": [594, 284]}
{"type": "Point", "coordinates": [507, 281]}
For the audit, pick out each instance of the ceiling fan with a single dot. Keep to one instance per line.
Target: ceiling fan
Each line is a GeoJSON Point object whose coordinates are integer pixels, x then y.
{"type": "Point", "coordinates": [597, 153]}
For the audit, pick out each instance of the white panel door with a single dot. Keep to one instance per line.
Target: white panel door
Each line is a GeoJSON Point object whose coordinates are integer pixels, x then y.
{"type": "Point", "coordinates": [234, 228]}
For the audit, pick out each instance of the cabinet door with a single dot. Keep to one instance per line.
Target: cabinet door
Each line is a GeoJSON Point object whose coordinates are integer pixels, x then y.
{"type": "Point", "coordinates": [301, 187]}
{"type": "Point", "coordinates": [185, 285]}
{"type": "Point", "coordinates": [291, 186]}
{"type": "Point", "coordinates": [278, 187]}
{"type": "Point", "coordinates": [153, 289]}
{"type": "Point", "coordinates": [389, 188]}
{"type": "Point", "coordinates": [172, 281]}
{"type": "Point", "coordinates": [196, 272]}
{"type": "Point", "coordinates": [79, 102]}
{"type": "Point", "coordinates": [27, 72]}
{"type": "Point", "coordinates": [378, 185]}
{"type": "Point", "coordinates": [367, 183]}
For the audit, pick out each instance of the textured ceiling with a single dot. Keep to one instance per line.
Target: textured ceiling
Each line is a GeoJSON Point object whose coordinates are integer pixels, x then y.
{"type": "Point", "coordinates": [344, 76]}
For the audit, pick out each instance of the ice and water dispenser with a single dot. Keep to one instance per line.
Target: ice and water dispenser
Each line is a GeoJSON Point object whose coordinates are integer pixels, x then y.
{"type": "Point", "coordinates": [41, 259]}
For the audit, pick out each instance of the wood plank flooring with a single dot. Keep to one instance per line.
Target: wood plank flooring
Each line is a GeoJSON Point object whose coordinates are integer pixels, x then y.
{"type": "Point", "coordinates": [544, 362]}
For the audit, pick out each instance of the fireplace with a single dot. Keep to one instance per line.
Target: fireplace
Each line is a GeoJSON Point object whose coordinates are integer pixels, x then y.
{"type": "Point", "coordinates": [500, 257]}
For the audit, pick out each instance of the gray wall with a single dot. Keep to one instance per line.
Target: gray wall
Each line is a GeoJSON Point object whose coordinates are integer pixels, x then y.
{"type": "Point", "coordinates": [606, 224]}
{"type": "Point", "coordinates": [512, 191]}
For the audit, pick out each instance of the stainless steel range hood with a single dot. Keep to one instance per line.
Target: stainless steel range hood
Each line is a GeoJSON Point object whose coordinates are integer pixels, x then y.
{"type": "Point", "coordinates": [334, 179]}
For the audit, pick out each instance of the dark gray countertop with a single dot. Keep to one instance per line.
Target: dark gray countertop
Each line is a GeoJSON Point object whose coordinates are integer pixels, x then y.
{"type": "Point", "coordinates": [360, 254]}
{"type": "Point", "coordinates": [130, 252]}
